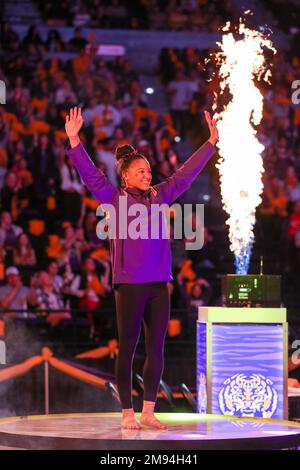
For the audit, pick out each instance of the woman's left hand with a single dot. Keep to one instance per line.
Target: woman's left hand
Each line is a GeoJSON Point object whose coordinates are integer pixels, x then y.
{"type": "Point", "coordinates": [212, 124]}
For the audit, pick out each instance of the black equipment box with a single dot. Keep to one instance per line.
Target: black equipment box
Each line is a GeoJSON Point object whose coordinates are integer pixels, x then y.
{"type": "Point", "coordinates": [262, 290]}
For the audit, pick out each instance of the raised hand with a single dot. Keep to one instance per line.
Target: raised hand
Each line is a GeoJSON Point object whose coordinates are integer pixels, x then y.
{"type": "Point", "coordinates": [74, 123]}
{"type": "Point", "coordinates": [212, 124]}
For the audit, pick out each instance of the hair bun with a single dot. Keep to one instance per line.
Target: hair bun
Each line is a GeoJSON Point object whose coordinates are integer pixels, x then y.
{"type": "Point", "coordinates": [124, 151]}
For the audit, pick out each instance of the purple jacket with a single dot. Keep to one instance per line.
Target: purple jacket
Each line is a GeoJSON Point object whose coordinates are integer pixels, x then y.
{"type": "Point", "coordinates": [140, 260]}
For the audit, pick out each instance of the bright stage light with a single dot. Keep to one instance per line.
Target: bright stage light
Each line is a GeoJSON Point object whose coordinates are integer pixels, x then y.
{"type": "Point", "coordinates": [241, 65]}
{"type": "Point", "coordinates": [149, 91]}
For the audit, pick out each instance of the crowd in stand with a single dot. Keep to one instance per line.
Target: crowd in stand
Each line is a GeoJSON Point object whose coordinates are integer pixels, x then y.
{"type": "Point", "coordinates": [50, 255]}
{"type": "Point", "coordinates": [278, 216]}
{"type": "Point", "coordinates": [175, 15]}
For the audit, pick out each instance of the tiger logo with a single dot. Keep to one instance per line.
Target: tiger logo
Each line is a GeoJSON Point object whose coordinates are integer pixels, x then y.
{"type": "Point", "coordinates": [248, 396]}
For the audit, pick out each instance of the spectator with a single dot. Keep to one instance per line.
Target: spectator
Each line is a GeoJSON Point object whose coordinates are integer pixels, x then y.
{"type": "Point", "coordinates": [78, 42]}
{"type": "Point", "coordinates": [275, 201]}
{"type": "Point", "coordinates": [71, 187]}
{"type": "Point", "coordinates": [9, 232]}
{"type": "Point", "coordinates": [195, 294]}
{"type": "Point", "coordinates": [70, 283]}
{"type": "Point", "coordinates": [106, 117]}
{"type": "Point", "coordinates": [23, 253]}
{"type": "Point", "coordinates": [32, 37]}
{"type": "Point", "coordinates": [91, 289]}
{"type": "Point", "coordinates": [8, 34]}
{"type": "Point", "coordinates": [284, 157]}
{"type": "Point", "coordinates": [135, 97]}
{"type": "Point", "coordinates": [65, 94]}
{"type": "Point", "coordinates": [106, 155]}
{"type": "Point", "coordinates": [42, 165]}
{"type": "Point", "coordinates": [200, 295]}
{"type": "Point", "coordinates": [292, 184]}
{"type": "Point", "coordinates": [55, 278]}
{"type": "Point", "coordinates": [14, 296]}
{"type": "Point", "coordinates": [10, 194]}
{"type": "Point", "coordinates": [70, 249]}
{"type": "Point", "coordinates": [89, 226]}
{"type": "Point", "coordinates": [4, 133]}
{"type": "Point", "coordinates": [294, 221]}
{"type": "Point", "coordinates": [54, 42]}
{"type": "Point", "coordinates": [19, 91]}
{"type": "Point", "coordinates": [46, 298]}
{"type": "Point", "coordinates": [180, 92]}
{"type": "Point", "coordinates": [125, 113]}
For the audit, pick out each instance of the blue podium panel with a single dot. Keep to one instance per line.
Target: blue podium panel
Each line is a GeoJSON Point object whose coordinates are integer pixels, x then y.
{"type": "Point", "coordinates": [201, 369]}
{"type": "Point", "coordinates": [242, 366]}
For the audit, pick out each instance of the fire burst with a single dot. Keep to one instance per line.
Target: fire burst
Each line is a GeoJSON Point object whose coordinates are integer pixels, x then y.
{"type": "Point", "coordinates": [241, 62]}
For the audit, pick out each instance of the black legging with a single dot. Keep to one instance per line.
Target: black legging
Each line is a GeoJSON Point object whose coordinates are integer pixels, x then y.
{"type": "Point", "coordinates": [136, 303]}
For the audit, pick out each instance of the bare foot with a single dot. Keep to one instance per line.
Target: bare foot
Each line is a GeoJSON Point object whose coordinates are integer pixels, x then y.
{"type": "Point", "coordinates": [130, 423]}
{"type": "Point", "coordinates": [150, 420]}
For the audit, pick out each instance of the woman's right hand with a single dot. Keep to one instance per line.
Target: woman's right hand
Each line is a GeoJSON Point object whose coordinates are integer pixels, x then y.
{"type": "Point", "coordinates": [74, 123]}
{"type": "Point", "coordinates": [212, 124]}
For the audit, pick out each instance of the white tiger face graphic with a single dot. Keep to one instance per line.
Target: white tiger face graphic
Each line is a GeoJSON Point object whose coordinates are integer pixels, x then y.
{"type": "Point", "coordinates": [252, 396]}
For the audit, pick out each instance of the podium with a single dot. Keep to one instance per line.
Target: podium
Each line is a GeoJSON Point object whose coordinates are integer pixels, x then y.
{"type": "Point", "coordinates": [242, 358]}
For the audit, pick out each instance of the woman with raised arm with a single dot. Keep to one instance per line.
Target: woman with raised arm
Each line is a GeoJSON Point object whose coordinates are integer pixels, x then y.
{"type": "Point", "coordinates": [141, 267]}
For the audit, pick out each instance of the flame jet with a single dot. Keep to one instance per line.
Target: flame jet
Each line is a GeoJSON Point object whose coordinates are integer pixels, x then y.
{"type": "Point", "coordinates": [241, 64]}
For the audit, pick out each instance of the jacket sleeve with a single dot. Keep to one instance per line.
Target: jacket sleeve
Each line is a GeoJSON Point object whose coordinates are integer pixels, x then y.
{"type": "Point", "coordinates": [180, 181]}
{"type": "Point", "coordinates": [94, 178]}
